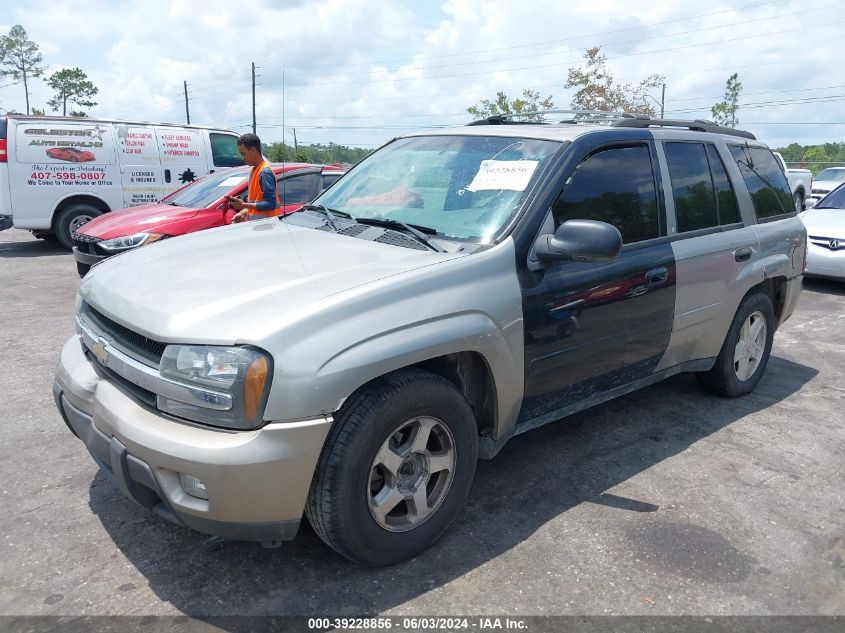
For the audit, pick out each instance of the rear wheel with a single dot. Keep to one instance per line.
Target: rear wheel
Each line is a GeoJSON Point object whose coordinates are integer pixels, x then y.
{"type": "Point", "coordinates": [395, 470]}
{"type": "Point", "coordinates": [746, 349]}
{"type": "Point", "coordinates": [798, 199]}
{"type": "Point", "coordinates": [71, 220]}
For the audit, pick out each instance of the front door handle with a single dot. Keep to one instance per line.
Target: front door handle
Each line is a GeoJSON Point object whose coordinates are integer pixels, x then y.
{"type": "Point", "coordinates": [743, 254]}
{"type": "Point", "coordinates": [166, 175]}
{"type": "Point", "coordinates": [657, 276]}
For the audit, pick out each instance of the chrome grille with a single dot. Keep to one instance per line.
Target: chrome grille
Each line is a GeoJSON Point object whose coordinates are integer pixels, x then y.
{"type": "Point", "coordinates": [133, 343]}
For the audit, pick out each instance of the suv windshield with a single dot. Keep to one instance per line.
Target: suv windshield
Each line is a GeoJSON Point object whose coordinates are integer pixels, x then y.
{"type": "Point", "coordinates": [205, 191]}
{"type": "Point", "coordinates": [464, 187]}
{"type": "Point", "coordinates": [836, 175]}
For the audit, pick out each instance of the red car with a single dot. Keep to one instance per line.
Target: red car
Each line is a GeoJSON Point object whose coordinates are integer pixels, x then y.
{"type": "Point", "coordinates": [71, 154]}
{"type": "Point", "coordinates": [199, 205]}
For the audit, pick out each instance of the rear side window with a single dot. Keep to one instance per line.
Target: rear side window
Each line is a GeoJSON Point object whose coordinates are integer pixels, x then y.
{"type": "Point", "coordinates": [298, 189]}
{"type": "Point", "coordinates": [765, 179]}
{"type": "Point", "coordinates": [616, 186]}
{"type": "Point", "coordinates": [725, 197]}
{"type": "Point", "coordinates": [700, 186]}
{"type": "Point", "coordinates": [224, 150]}
{"type": "Point", "coordinates": [692, 186]}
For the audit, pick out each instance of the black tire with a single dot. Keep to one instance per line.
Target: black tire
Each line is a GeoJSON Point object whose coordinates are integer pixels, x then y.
{"type": "Point", "coordinates": [50, 237]}
{"type": "Point", "coordinates": [723, 378]}
{"type": "Point", "coordinates": [798, 200]}
{"type": "Point", "coordinates": [82, 269]}
{"type": "Point", "coordinates": [342, 490]}
{"type": "Point", "coordinates": [72, 218]}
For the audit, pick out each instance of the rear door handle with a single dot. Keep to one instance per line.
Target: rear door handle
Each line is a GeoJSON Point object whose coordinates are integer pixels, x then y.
{"type": "Point", "coordinates": [743, 254]}
{"type": "Point", "coordinates": [657, 276]}
{"type": "Point", "coordinates": [166, 175]}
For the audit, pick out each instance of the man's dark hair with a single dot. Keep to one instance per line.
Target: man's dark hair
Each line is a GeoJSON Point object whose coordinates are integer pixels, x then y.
{"type": "Point", "coordinates": [249, 140]}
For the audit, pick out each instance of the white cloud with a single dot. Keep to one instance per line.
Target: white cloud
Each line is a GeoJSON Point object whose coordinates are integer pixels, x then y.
{"type": "Point", "coordinates": [353, 64]}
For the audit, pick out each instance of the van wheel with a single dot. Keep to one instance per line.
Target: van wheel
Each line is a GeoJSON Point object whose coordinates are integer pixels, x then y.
{"type": "Point", "coordinates": [395, 470]}
{"type": "Point", "coordinates": [746, 349]}
{"type": "Point", "coordinates": [798, 199]}
{"type": "Point", "coordinates": [71, 220]}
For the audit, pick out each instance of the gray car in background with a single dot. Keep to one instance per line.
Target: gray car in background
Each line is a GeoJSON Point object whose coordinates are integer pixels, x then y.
{"type": "Point", "coordinates": [456, 288]}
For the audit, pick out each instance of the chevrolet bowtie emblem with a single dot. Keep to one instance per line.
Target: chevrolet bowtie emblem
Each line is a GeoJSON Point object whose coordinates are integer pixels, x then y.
{"type": "Point", "coordinates": [99, 350]}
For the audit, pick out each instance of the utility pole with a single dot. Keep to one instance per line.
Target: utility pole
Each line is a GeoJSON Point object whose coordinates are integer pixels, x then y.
{"type": "Point", "coordinates": [662, 100]}
{"type": "Point", "coordinates": [295, 146]}
{"type": "Point", "coordinates": [187, 112]}
{"type": "Point", "coordinates": [253, 97]}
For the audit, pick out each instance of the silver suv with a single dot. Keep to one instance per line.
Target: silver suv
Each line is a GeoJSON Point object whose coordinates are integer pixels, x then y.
{"type": "Point", "coordinates": [456, 288]}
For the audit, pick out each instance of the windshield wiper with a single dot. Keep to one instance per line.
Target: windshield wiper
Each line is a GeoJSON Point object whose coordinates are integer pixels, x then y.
{"type": "Point", "coordinates": [329, 213]}
{"type": "Point", "coordinates": [416, 230]}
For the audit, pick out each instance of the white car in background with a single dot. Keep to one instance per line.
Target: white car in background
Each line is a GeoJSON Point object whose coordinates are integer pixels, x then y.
{"type": "Point", "coordinates": [825, 225]}
{"type": "Point", "coordinates": [824, 182]}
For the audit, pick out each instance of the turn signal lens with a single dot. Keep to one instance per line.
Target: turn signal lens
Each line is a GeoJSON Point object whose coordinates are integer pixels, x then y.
{"type": "Point", "coordinates": [256, 376]}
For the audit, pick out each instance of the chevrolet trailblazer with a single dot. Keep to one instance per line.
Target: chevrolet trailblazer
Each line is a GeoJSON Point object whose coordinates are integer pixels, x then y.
{"type": "Point", "coordinates": [351, 362]}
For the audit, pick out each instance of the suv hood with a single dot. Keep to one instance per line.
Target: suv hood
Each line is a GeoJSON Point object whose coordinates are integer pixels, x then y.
{"type": "Point", "coordinates": [238, 283]}
{"type": "Point", "coordinates": [143, 218]}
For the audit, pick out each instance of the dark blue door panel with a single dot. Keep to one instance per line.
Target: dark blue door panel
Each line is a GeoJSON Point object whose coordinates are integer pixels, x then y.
{"type": "Point", "coordinates": [590, 327]}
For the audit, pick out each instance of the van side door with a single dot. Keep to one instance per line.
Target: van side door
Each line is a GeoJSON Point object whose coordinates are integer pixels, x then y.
{"type": "Point", "coordinates": [182, 156]}
{"type": "Point", "coordinates": [592, 327]}
{"type": "Point", "coordinates": [140, 164]}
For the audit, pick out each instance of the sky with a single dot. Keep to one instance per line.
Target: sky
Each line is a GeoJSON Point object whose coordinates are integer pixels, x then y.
{"type": "Point", "coordinates": [360, 72]}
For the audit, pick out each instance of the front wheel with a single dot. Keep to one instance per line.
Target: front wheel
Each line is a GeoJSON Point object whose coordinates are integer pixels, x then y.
{"type": "Point", "coordinates": [71, 220]}
{"type": "Point", "coordinates": [746, 349]}
{"type": "Point", "coordinates": [396, 469]}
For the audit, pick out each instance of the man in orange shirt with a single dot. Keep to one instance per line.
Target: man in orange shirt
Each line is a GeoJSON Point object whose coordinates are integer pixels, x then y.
{"type": "Point", "coordinates": [262, 199]}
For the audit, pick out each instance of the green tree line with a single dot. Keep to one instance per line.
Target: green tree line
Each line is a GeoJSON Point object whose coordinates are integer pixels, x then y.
{"type": "Point", "coordinates": [319, 153]}
{"type": "Point", "coordinates": [813, 157]}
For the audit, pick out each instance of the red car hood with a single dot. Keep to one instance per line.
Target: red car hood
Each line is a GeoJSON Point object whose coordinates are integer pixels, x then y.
{"type": "Point", "coordinates": [142, 219]}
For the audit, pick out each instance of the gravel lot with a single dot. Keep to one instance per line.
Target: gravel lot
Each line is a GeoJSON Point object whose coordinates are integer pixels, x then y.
{"type": "Point", "coordinates": [667, 501]}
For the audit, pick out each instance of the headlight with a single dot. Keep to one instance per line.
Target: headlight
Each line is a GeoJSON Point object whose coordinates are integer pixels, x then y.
{"type": "Point", "coordinates": [130, 241]}
{"type": "Point", "coordinates": [242, 372]}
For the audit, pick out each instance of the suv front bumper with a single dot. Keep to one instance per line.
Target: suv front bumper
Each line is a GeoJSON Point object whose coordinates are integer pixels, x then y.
{"type": "Point", "coordinates": [256, 481]}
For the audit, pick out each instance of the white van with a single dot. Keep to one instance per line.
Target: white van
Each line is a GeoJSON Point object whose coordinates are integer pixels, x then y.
{"type": "Point", "coordinates": [56, 173]}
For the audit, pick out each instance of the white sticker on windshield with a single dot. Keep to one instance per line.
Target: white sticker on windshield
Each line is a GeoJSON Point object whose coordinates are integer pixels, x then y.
{"type": "Point", "coordinates": [231, 181]}
{"type": "Point", "coordinates": [503, 174]}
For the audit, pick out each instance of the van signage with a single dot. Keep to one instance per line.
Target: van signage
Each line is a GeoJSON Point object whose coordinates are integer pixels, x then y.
{"type": "Point", "coordinates": [95, 135]}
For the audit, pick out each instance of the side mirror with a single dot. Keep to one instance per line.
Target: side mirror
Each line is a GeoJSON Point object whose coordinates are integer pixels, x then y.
{"type": "Point", "coordinates": [580, 241]}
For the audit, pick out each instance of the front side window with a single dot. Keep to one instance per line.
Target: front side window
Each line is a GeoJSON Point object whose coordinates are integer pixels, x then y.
{"type": "Point", "coordinates": [206, 191]}
{"type": "Point", "coordinates": [615, 186]}
{"type": "Point", "coordinates": [298, 189]}
{"type": "Point", "coordinates": [462, 187]}
{"type": "Point", "coordinates": [224, 150]}
{"type": "Point", "coordinates": [765, 180]}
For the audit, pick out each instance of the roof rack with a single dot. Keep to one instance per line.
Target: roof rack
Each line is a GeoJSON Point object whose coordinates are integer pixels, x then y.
{"type": "Point", "coordinates": [580, 116]}
{"type": "Point", "coordinates": [698, 125]}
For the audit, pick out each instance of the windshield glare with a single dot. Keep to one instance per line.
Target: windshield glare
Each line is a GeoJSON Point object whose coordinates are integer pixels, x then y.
{"type": "Point", "coordinates": [837, 175]}
{"type": "Point", "coordinates": [464, 187]}
{"type": "Point", "coordinates": [206, 191]}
